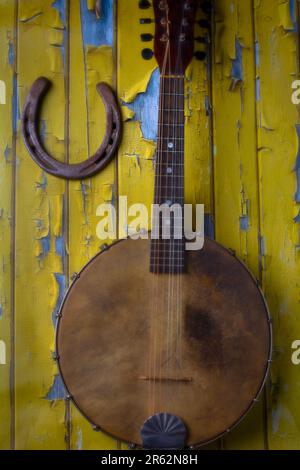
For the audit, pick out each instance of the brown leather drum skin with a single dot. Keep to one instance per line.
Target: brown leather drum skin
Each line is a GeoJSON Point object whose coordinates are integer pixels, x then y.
{"type": "Point", "coordinates": [131, 343]}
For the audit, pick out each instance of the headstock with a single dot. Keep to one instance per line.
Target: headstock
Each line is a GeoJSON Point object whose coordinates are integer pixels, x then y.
{"type": "Point", "coordinates": [174, 33]}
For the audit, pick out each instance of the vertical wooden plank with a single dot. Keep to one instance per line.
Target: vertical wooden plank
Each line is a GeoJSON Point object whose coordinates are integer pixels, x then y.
{"type": "Point", "coordinates": [40, 244]}
{"type": "Point", "coordinates": [235, 161]}
{"type": "Point", "coordinates": [138, 87]}
{"type": "Point", "coordinates": [92, 49]}
{"type": "Point", "coordinates": [277, 35]}
{"type": "Point", "coordinates": [7, 144]}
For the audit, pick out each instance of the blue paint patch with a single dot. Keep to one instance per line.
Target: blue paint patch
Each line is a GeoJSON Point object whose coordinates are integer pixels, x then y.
{"type": "Point", "coordinates": [61, 281]}
{"type": "Point", "coordinates": [60, 6]}
{"type": "Point", "coordinates": [145, 107]}
{"type": "Point", "coordinates": [7, 154]}
{"type": "Point", "coordinates": [97, 32]}
{"type": "Point", "coordinates": [257, 63]}
{"type": "Point", "coordinates": [297, 167]}
{"type": "Point", "coordinates": [209, 226]}
{"type": "Point", "coordinates": [60, 248]}
{"type": "Point", "coordinates": [16, 115]}
{"type": "Point", "coordinates": [244, 223]}
{"type": "Point", "coordinates": [297, 219]}
{"type": "Point", "coordinates": [46, 244]}
{"type": "Point", "coordinates": [257, 54]}
{"type": "Point", "coordinates": [57, 390]}
{"type": "Point", "coordinates": [11, 54]}
{"type": "Point", "coordinates": [293, 13]}
{"type": "Point", "coordinates": [237, 64]}
{"type": "Point", "coordinates": [1, 311]}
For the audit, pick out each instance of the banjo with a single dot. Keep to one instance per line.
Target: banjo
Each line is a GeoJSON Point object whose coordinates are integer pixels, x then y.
{"type": "Point", "coordinates": [159, 346]}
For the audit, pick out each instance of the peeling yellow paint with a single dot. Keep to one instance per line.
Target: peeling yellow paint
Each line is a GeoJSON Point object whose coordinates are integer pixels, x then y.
{"type": "Point", "coordinates": [35, 367]}
{"type": "Point", "coordinates": [285, 15]}
{"type": "Point", "coordinates": [235, 166]}
{"type": "Point", "coordinates": [6, 210]}
{"type": "Point", "coordinates": [139, 86]}
{"type": "Point", "coordinates": [277, 191]}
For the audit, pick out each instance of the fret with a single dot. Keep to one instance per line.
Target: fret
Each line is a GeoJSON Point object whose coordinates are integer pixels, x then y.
{"type": "Point", "coordinates": [170, 258]}
{"type": "Point", "coordinates": [173, 138]}
{"type": "Point", "coordinates": [178, 263]}
{"type": "Point", "coordinates": [170, 187]}
{"type": "Point", "coordinates": [170, 164]}
{"type": "Point", "coordinates": [160, 199]}
{"type": "Point", "coordinates": [166, 110]}
{"type": "Point", "coordinates": [168, 246]}
{"type": "Point", "coordinates": [166, 268]}
{"type": "Point", "coordinates": [170, 196]}
{"type": "Point", "coordinates": [166, 242]}
{"type": "Point", "coordinates": [168, 252]}
{"type": "Point", "coordinates": [171, 125]}
{"type": "Point", "coordinates": [170, 176]}
{"type": "Point", "coordinates": [170, 151]}
{"type": "Point", "coordinates": [164, 93]}
{"type": "Point", "coordinates": [167, 256]}
{"type": "Point", "coordinates": [169, 267]}
{"type": "Point", "coordinates": [154, 217]}
{"type": "Point", "coordinates": [167, 249]}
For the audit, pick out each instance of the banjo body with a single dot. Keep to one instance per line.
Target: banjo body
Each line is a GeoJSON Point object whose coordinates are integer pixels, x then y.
{"type": "Point", "coordinates": [118, 349]}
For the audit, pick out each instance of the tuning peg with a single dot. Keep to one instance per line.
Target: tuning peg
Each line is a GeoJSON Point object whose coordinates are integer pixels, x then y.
{"type": "Point", "coordinates": [146, 20]}
{"type": "Point", "coordinates": [144, 4]}
{"type": "Point", "coordinates": [147, 54]}
{"type": "Point", "coordinates": [200, 55]}
{"type": "Point", "coordinates": [204, 24]}
{"type": "Point", "coordinates": [146, 37]}
{"type": "Point", "coordinates": [201, 40]}
{"type": "Point", "coordinates": [206, 7]}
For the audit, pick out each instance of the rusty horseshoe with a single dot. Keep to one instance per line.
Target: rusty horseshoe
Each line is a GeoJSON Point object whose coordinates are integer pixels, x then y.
{"type": "Point", "coordinates": [95, 163]}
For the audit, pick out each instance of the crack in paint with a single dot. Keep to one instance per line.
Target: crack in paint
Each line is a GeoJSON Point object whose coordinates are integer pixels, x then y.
{"type": "Point", "coordinates": [31, 18]}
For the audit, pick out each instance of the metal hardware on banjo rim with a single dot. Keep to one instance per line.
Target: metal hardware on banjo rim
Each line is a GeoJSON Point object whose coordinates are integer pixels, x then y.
{"type": "Point", "coordinates": [93, 164]}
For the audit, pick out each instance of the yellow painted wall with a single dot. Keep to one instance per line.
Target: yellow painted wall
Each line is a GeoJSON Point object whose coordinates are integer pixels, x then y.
{"type": "Point", "coordinates": [241, 153]}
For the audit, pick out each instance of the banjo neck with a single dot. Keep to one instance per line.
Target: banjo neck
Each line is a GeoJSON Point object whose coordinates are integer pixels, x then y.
{"type": "Point", "coordinates": [173, 50]}
{"type": "Point", "coordinates": [167, 251]}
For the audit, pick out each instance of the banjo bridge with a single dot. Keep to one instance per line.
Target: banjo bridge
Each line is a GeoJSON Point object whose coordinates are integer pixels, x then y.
{"type": "Point", "coordinates": [166, 379]}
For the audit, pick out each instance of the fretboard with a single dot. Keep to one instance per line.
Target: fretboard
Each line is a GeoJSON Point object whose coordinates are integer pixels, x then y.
{"type": "Point", "coordinates": [167, 255]}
